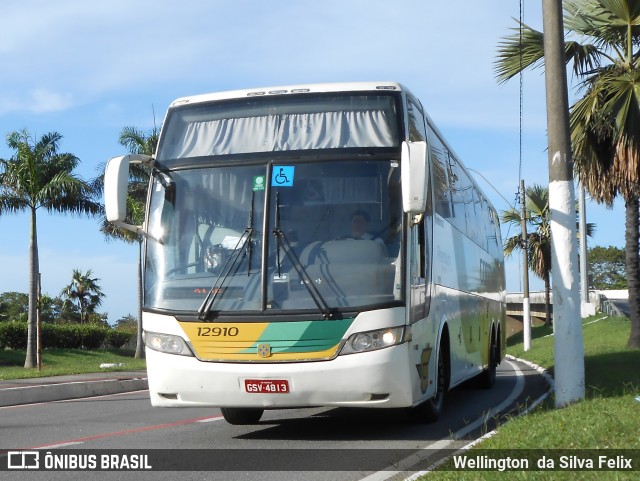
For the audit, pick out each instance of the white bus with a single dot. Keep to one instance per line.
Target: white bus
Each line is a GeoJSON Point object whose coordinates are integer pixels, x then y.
{"type": "Point", "coordinates": [256, 293]}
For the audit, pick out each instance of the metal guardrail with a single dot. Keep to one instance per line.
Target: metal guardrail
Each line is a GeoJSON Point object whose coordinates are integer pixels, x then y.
{"type": "Point", "coordinates": [607, 307]}
{"type": "Point", "coordinates": [599, 299]}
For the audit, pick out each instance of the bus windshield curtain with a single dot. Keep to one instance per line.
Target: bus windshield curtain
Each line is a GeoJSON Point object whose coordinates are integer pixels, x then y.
{"type": "Point", "coordinates": [296, 131]}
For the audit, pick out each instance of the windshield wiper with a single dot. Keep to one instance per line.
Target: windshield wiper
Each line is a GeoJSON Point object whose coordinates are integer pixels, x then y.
{"type": "Point", "coordinates": [306, 280]}
{"type": "Point", "coordinates": [249, 229]}
{"type": "Point", "coordinates": [229, 265]}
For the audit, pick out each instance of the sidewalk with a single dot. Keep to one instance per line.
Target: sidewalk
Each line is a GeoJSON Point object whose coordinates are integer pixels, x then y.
{"type": "Point", "coordinates": [57, 388]}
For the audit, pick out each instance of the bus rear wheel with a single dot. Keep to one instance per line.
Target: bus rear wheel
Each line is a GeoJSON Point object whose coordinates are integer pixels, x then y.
{"type": "Point", "coordinates": [242, 416]}
{"type": "Point", "coordinates": [487, 377]}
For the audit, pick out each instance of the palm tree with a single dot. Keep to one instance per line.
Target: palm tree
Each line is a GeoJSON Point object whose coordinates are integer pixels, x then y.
{"type": "Point", "coordinates": [137, 142]}
{"type": "Point", "coordinates": [85, 291]}
{"type": "Point", "coordinates": [38, 176]}
{"type": "Point", "coordinates": [538, 237]}
{"type": "Point", "coordinates": [605, 121]}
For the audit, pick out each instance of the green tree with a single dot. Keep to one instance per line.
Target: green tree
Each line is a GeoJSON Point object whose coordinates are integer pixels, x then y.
{"type": "Point", "coordinates": [605, 121]}
{"type": "Point", "coordinates": [607, 268]}
{"type": "Point", "coordinates": [14, 306]}
{"type": "Point", "coordinates": [85, 292]}
{"type": "Point", "coordinates": [127, 322]}
{"type": "Point", "coordinates": [136, 142]}
{"type": "Point", "coordinates": [101, 318]}
{"type": "Point", "coordinates": [50, 308]}
{"type": "Point", "coordinates": [38, 176]}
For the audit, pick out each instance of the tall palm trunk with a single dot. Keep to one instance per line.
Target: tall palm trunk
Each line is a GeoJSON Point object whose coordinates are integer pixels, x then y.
{"type": "Point", "coordinates": [34, 267]}
{"type": "Point", "coordinates": [632, 209]}
{"type": "Point", "coordinates": [83, 310]}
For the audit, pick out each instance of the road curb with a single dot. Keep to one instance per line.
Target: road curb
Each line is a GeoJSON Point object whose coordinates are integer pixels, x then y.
{"type": "Point", "coordinates": [13, 396]}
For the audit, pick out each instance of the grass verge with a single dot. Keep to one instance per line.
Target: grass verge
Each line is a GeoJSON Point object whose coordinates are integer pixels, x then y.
{"type": "Point", "coordinates": [58, 362]}
{"type": "Point", "coordinates": [608, 417]}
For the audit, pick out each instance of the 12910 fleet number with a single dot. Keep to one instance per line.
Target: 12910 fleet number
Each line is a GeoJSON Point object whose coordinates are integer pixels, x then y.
{"type": "Point", "coordinates": [218, 331]}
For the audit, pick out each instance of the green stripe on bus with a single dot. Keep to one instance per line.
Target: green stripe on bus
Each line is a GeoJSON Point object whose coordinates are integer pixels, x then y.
{"type": "Point", "coordinates": [305, 336]}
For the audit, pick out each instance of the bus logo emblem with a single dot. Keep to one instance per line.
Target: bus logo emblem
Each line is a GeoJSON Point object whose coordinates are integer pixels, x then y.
{"type": "Point", "coordinates": [264, 350]}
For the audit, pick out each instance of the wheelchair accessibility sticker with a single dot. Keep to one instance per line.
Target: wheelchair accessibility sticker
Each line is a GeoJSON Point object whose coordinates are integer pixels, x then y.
{"type": "Point", "coordinates": [282, 175]}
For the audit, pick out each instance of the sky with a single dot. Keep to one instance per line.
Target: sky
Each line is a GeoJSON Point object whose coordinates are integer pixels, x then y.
{"type": "Point", "coordinates": [88, 69]}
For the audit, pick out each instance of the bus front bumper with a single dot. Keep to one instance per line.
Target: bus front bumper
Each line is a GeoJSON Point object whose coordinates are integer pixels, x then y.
{"type": "Point", "coordinates": [380, 378]}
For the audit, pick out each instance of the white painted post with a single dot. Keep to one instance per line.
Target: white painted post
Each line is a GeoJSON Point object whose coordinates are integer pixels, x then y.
{"type": "Point", "coordinates": [567, 322]}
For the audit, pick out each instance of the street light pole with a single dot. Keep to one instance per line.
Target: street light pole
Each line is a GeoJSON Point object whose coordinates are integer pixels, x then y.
{"type": "Point", "coordinates": [567, 323]}
{"type": "Point", "coordinates": [584, 266]}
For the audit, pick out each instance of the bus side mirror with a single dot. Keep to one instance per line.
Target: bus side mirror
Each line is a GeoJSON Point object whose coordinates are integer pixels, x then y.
{"type": "Point", "coordinates": [414, 172]}
{"type": "Point", "coordinates": [116, 183]}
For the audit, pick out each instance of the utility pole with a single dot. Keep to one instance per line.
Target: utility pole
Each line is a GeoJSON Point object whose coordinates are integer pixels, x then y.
{"type": "Point", "coordinates": [526, 306]}
{"type": "Point", "coordinates": [567, 323]}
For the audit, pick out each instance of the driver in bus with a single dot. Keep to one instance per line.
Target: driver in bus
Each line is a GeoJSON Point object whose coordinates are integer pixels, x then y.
{"type": "Point", "coordinates": [360, 227]}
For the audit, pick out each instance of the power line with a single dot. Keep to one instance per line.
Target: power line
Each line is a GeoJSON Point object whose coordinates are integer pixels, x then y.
{"type": "Point", "coordinates": [491, 185]}
{"type": "Point", "coordinates": [521, 28]}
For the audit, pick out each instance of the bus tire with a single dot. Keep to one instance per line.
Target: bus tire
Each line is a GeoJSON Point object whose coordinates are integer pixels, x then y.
{"type": "Point", "coordinates": [242, 416]}
{"type": "Point", "coordinates": [487, 378]}
{"type": "Point", "coordinates": [430, 410]}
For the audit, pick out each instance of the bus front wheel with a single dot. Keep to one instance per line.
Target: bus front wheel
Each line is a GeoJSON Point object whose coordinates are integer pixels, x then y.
{"type": "Point", "coordinates": [241, 416]}
{"type": "Point", "coordinates": [429, 411]}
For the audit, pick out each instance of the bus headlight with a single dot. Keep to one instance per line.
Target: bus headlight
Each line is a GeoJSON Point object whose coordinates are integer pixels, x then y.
{"type": "Point", "coordinates": [373, 340]}
{"type": "Point", "coordinates": [167, 343]}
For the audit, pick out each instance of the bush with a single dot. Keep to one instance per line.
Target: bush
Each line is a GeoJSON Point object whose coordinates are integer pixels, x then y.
{"type": "Point", "coordinates": [117, 338]}
{"type": "Point", "coordinates": [93, 336]}
{"type": "Point", "coordinates": [66, 336]}
{"type": "Point", "coordinates": [52, 335]}
{"type": "Point", "coordinates": [13, 335]}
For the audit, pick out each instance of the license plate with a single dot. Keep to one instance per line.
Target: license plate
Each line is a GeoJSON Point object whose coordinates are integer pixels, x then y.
{"type": "Point", "coordinates": [266, 386]}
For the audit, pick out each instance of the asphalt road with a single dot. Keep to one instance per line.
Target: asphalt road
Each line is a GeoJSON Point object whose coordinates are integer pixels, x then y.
{"type": "Point", "coordinates": [127, 421]}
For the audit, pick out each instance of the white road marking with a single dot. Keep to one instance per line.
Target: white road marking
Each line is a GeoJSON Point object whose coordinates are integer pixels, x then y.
{"type": "Point", "coordinates": [210, 420]}
{"type": "Point", "coordinates": [60, 445]}
{"type": "Point", "coordinates": [405, 464]}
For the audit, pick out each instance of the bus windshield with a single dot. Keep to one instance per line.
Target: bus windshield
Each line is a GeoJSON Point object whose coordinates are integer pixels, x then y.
{"type": "Point", "coordinates": [272, 237]}
{"type": "Point", "coordinates": [302, 122]}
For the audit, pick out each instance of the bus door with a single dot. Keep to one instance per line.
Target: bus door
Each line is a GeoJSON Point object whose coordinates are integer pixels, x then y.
{"type": "Point", "coordinates": [420, 252]}
{"type": "Point", "coordinates": [418, 281]}
{"type": "Point", "coordinates": [424, 327]}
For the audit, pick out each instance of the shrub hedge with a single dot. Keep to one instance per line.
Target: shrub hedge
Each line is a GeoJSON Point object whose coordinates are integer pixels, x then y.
{"type": "Point", "coordinates": [13, 335]}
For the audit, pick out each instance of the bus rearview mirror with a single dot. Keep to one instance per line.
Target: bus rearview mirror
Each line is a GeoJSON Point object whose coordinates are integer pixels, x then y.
{"type": "Point", "coordinates": [414, 172]}
{"type": "Point", "coordinates": [116, 183]}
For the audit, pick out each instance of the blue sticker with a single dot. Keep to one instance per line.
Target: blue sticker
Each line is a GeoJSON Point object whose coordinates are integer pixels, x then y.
{"type": "Point", "coordinates": [282, 175]}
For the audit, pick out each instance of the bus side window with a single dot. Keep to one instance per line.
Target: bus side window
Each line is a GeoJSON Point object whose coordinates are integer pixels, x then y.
{"type": "Point", "coordinates": [441, 191]}
{"type": "Point", "coordinates": [427, 247]}
{"type": "Point", "coordinates": [417, 131]}
{"type": "Point", "coordinates": [459, 193]}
